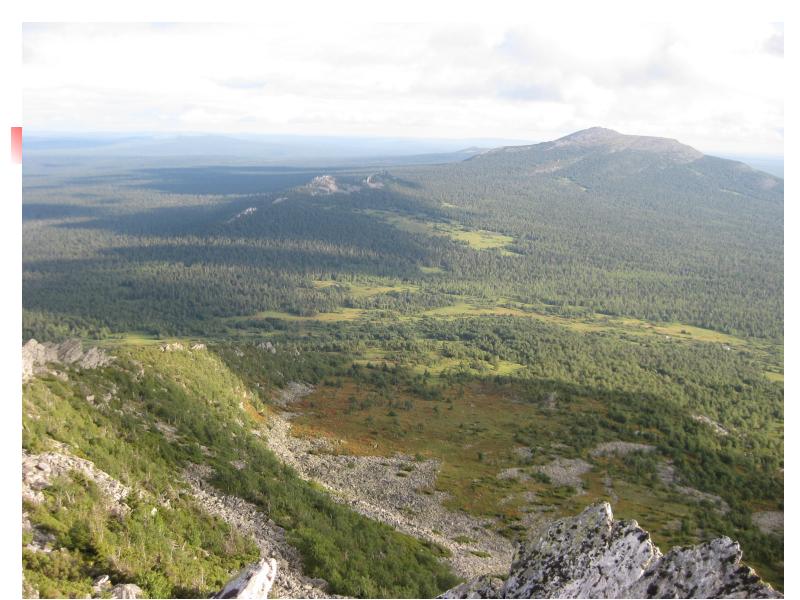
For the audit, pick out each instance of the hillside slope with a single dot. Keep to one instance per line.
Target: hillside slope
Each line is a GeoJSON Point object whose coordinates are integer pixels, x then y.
{"type": "Point", "coordinates": [123, 465]}
{"type": "Point", "coordinates": [624, 225]}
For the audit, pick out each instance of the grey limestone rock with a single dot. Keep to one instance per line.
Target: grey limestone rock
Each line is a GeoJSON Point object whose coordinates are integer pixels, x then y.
{"type": "Point", "coordinates": [37, 356]}
{"type": "Point", "coordinates": [126, 590]}
{"type": "Point", "coordinates": [594, 556]}
{"type": "Point", "coordinates": [254, 581]}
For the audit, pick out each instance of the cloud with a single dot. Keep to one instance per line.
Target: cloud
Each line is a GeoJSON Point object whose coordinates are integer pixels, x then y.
{"type": "Point", "coordinates": [523, 80]}
{"type": "Point", "coordinates": [529, 92]}
{"type": "Point", "coordinates": [243, 83]}
{"type": "Point", "coordinates": [774, 43]}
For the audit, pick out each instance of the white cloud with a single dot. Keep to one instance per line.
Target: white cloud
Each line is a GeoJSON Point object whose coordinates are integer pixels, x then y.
{"type": "Point", "coordinates": [717, 87]}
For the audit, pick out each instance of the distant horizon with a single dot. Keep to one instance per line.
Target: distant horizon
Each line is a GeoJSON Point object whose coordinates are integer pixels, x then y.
{"type": "Point", "coordinates": [365, 137]}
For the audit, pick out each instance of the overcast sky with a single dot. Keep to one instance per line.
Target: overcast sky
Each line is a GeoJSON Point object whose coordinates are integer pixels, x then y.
{"type": "Point", "coordinates": [717, 88]}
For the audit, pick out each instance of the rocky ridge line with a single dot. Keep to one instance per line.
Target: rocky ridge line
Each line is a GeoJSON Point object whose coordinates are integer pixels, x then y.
{"type": "Point", "coordinates": [594, 556]}
{"type": "Point", "coordinates": [36, 357]}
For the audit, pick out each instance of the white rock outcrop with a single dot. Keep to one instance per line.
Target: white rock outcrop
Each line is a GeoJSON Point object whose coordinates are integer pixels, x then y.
{"type": "Point", "coordinates": [324, 185]}
{"type": "Point", "coordinates": [594, 556]}
{"type": "Point", "coordinates": [39, 470]}
{"type": "Point", "coordinates": [172, 347]}
{"type": "Point", "coordinates": [620, 449]}
{"type": "Point", "coordinates": [268, 346]}
{"type": "Point", "coordinates": [36, 357]}
{"type": "Point", "coordinates": [254, 581]}
{"type": "Point", "coordinates": [126, 590]}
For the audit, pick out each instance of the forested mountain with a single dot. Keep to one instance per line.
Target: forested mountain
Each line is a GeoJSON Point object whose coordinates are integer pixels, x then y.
{"type": "Point", "coordinates": [628, 225]}
{"type": "Point", "coordinates": [596, 221]}
{"type": "Point", "coordinates": [530, 330]}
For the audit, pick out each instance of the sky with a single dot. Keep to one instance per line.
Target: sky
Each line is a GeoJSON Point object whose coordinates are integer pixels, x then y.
{"type": "Point", "coordinates": [718, 88]}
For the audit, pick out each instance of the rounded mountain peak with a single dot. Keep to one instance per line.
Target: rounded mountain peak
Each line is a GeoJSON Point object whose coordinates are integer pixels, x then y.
{"type": "Point", "coordinates": [608, 139]}
{"type": "Point", "coordinates": [593, 135]}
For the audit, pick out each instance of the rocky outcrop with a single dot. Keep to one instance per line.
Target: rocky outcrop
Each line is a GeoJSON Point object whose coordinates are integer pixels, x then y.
{"type": "Point", "coordinates": [244, 213]}
{"type": "Point", "coordinates": [716, 427]}
{"type": "Point", "coordinates": [268, 346]}
{"type": "Point", "coordinates": [255, 581]}
{"type": "Point", "coordinates": [619, 449]}
{"type": "Point", "coordinates": [39, 471]}
{"type": "Point", "coordinates": [588, 556]}
{"type": "Point", "coordinates": [324, 185]}
{"type": "Point", "coordinates": [375, 180]}
{"type": "Point", "coordinates": [172, 347]}
{"type": "Point", "coordinates": [293, 392]}
{"type": "Point", "coordinates": [566, 471]}
{"type": "Point", "coordinates": [126, 590]}
{"type": "Point", "coordinates": [594, 556]}
{"type": "Point", "coordinates": [36, 357]}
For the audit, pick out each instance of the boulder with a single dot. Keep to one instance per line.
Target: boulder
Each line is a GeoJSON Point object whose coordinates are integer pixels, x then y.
{"type": "Point", "coordinates": [101, 584]}
{"type": "Point", "coordinates": [126, 590]}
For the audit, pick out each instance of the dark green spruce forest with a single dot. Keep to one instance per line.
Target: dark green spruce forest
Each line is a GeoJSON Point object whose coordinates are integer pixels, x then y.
{"type": "Point", "coordinates": [600, 288]}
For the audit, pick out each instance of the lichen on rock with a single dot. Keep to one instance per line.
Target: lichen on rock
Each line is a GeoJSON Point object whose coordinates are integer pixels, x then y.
{"type": "Point", "coordinates": [594, 556]}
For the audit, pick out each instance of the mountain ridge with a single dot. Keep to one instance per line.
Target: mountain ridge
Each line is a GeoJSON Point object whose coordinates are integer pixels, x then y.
{"type": "Point", "coordinates": [602, 141]}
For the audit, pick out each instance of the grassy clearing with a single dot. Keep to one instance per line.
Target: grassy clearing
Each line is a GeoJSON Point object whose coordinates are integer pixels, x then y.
{"type": "Point", "coordinates": [431, 429]}
{"type": "Point", "coordinates": [132, 338]}
{"type": "Point", "coordinates": [345, 314]}
{"type": "Point", "coordinates": [767, 356]}
{"type": "Point", "coordinates": [478, 239]}
{"type": "Point", "coordinates": [470, 309]}
{"type": "Point", "coordinates": [436, 365]}
{"type": "Point", "coordinates": [473, 431]}
{"type": "Point", "coordinates": [763, 352]}
{"type": "Point", "coordinates": [600, 322]}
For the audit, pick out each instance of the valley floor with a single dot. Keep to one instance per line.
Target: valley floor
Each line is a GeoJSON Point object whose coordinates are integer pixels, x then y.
{"type": "Point", "coordinates": [398, 491]}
